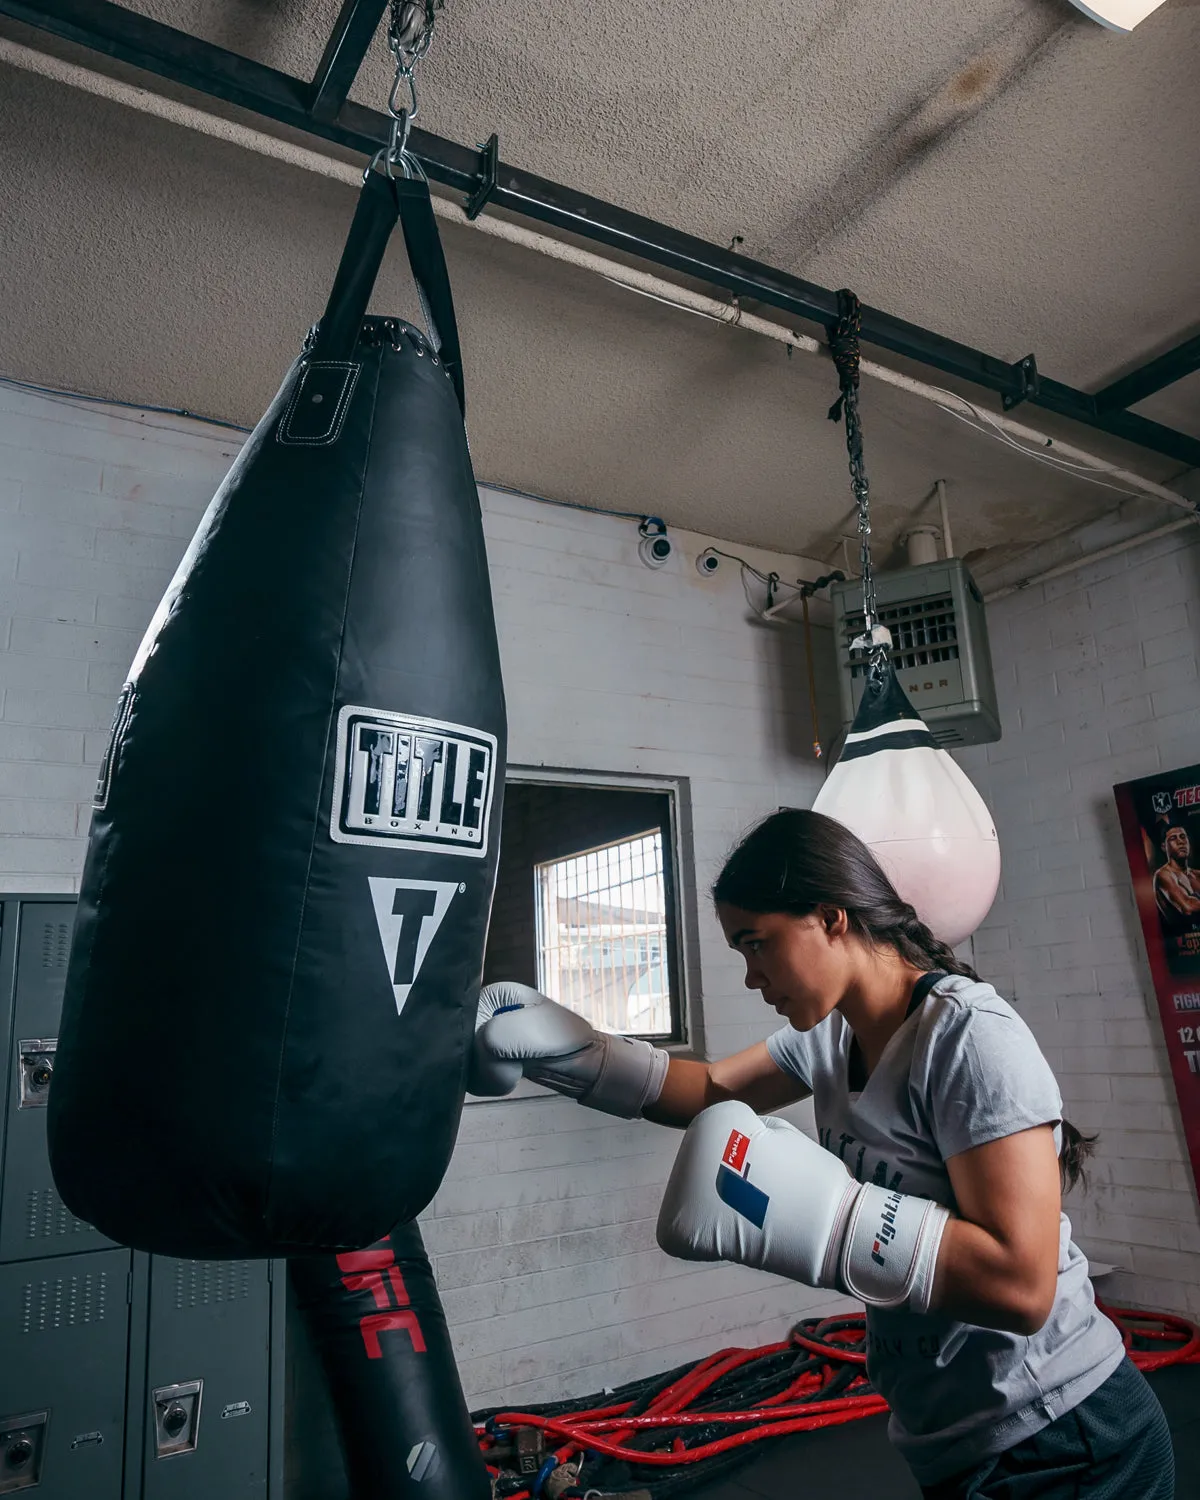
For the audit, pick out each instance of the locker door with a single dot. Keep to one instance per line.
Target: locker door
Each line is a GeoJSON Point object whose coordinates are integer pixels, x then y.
{"type": "Point", "coordinates": [34, 1221]}
{"type": "Point", "coordinates": [208, 1380]}
{"type": "Point", "coordinates": [64, 1337]}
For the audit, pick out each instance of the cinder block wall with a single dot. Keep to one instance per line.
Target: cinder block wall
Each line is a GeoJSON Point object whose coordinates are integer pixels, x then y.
{"type": "Point", "coordinates": [1097, 679]}
{"type": "Point", "coordinates": [543, 1234]}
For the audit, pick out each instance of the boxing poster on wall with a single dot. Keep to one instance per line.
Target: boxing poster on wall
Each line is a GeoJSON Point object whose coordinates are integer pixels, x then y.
{"type": "Point", "coordinates": [1160, 818]}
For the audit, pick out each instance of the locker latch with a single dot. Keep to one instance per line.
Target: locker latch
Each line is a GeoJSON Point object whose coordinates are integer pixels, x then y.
{"type": "Point", "coordinates": [177, 1418]}
{"type": "Point", "coordinates": [22, 1447]}
{"type": "Point", "coordinates": [37, 1069]}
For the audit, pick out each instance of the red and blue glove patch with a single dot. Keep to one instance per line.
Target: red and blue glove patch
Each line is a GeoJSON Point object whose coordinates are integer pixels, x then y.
{"type": "Point", "coordinates": [734, 1187]}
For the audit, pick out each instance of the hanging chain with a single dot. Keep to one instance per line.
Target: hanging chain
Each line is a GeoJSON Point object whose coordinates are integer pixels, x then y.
{"type": "Point", "coordinates": [410, 32]}
{"type": "Point", "coordinates": [844, 347]}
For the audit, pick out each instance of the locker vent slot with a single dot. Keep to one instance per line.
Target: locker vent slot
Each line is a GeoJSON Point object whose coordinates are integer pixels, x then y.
{"type": "Point", "coordinates": [56, 945]}
{"type": "Point", "coordinates": [64, 1302]}
{"type": "Point", "coordinates": [198, 1283]}
{"type": "Point", "coordinates": [47, 1217]}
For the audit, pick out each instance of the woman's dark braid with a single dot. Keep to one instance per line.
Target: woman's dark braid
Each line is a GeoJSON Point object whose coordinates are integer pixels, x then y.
{"type": "Point", "coordinates": [917, 945]}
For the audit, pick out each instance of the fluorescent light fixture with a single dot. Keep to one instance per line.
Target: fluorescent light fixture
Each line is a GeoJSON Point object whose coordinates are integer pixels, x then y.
{"type": "Point", "coordinates": [1118, 15]}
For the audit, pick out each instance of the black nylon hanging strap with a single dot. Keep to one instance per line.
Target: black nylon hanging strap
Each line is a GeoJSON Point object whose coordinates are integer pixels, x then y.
{"type": "Point", "coordinates": [428, 262]}
{"type": "Point", "coordinates": [384, 199]}
{"type": "Point", "coordinates": [370, 230]}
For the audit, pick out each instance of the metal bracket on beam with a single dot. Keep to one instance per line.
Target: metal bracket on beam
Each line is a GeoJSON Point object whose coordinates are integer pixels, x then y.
{"type": "Point", "coordinates": [489, 166]}
{"type": "Point", "coordinates": [1027, 381]}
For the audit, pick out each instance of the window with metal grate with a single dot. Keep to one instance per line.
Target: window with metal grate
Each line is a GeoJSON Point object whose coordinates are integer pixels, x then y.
{"type": "Point", "coordinates": [602, 935]}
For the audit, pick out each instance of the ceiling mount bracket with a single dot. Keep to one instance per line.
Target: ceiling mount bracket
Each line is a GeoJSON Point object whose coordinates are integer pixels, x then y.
{"type": "Point", "coordinates": [1027, 382]}
{"type": "Point", "coordinates": [489, 166]}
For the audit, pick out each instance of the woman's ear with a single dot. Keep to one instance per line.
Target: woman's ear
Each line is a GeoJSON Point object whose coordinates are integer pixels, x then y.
{"type": "Point", "coordinates": [834, 921]}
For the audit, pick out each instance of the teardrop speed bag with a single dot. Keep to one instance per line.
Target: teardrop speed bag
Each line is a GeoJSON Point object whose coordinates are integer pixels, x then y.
{"type": "Point", "coordinates": [915, 808]}
{"type": "Point", "coordinates": [280, 931]}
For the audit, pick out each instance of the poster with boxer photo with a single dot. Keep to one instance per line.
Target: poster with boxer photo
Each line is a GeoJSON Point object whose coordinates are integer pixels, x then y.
{"type": "Point", "coordinates": [1160, 820]}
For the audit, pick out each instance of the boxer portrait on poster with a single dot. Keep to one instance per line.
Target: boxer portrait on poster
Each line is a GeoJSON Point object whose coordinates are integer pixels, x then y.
{"type": "Point", "coordinates": [1169, 816]}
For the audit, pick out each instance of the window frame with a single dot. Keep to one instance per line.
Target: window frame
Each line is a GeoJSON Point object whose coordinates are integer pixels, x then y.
{"type": "Point", "coordinates": [675, 850]}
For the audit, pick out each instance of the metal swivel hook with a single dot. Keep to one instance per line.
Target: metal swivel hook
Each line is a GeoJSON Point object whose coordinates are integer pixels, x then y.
{"type": "Point", "coordinates": [410, 32]}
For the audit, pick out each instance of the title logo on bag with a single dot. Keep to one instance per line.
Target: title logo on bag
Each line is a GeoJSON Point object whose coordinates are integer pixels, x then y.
{"type": "Point", "coordinates": [408, 914]}
{"type": "Point", "coordinates": [412, 783]}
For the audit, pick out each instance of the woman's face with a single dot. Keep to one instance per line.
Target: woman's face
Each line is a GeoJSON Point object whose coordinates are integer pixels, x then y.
{"type": "Point", "coordinates": [802, 966]}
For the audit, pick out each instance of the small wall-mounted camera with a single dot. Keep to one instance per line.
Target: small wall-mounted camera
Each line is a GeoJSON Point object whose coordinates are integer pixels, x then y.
{"type": "Point", "coordinates": [708, 562]}
{"type": "Point", "coordinates": [655, 546]}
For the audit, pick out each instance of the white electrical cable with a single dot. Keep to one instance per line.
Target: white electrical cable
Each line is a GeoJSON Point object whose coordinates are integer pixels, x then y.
{"type": "Point", "coordinates": [1014, 434]}
{"type": "Point", "coordinates": [1073, 471]}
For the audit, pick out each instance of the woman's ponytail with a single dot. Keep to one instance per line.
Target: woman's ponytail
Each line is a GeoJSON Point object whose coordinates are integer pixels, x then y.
{"type": "Point", "coordinates": [1076, 1149]}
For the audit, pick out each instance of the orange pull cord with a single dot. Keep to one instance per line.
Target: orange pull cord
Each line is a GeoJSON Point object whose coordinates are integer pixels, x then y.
{"type": "Point", "coordinates": [812, 679]}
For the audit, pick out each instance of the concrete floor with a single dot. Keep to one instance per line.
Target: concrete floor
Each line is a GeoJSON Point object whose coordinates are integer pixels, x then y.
{"type": "Point", "coordinates": [857, 1460]}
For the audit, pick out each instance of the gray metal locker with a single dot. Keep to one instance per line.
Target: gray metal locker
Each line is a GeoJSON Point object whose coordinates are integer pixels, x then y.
{"type": "Point", "coordinates": [206, 1403]}
{"type": "Point", "coordinates": [123, 1376]}
{"type": "Point", "coordinates": [64, 1330]}
{"type": "Point", "coordinates": [34, 1221]}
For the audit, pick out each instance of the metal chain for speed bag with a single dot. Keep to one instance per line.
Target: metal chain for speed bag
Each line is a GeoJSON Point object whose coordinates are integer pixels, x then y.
{"type": "Point", "coordinates": [410, 32]}
{"type": "Point", "coordinates": [844, 347]}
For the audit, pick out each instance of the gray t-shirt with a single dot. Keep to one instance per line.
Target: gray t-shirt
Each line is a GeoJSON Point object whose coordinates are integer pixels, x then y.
{"type": "Point", "coordinates": [962, 1070]}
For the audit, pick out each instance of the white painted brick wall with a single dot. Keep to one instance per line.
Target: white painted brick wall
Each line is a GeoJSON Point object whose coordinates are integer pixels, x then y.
{"type": "Point", "coordinates": [96, 506]}
{"type": "Point", "coordinates": [1096, 673]}
{"type": "Point", "coordinates": [542, 1235]}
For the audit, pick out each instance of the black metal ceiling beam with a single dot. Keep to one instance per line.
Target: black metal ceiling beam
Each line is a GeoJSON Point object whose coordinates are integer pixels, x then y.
{"type": "Point", "coordinates": [169, 53]}
{"type": "Point", "coordinates": [1143, 382]}
{"type": "Point", "coordinates": [353, 33]}
{"type": "Point", "coordinates": [162, 50]}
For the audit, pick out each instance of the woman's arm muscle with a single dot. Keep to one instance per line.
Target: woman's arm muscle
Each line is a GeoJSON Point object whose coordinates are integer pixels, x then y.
{"type": "Point", "coordinates": [752, 1076]}
{"type": "Point", "coordinates": [998, 1262]}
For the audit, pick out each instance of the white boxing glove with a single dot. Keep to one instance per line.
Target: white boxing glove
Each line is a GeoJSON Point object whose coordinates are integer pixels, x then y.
{"type": "Point", "coordinates": [760, 1192]}
{"type": "Point", "coordinates": [521, 1033]}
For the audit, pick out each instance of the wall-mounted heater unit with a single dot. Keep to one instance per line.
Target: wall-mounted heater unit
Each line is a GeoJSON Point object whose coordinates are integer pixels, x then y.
{"type": "Point", "coordinates": [935, 613]}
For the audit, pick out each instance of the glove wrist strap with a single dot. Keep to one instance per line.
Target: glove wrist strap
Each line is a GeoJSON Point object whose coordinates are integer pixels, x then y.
{"type": "Point", "coordinates": [889, 1253]}
{"type": "Point", "coordinates": [631, 1077]}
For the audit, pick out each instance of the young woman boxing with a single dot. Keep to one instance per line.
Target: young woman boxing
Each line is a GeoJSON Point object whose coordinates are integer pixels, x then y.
{"type": "Point", "coordinates": [934, 1195]}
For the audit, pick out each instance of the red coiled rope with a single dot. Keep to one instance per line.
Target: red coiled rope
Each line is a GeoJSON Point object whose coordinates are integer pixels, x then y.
{"type": "Point", "coordinates": [835, 1344]}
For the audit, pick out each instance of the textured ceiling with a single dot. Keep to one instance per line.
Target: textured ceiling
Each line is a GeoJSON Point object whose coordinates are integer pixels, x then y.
{"type": "Point", "coordinates": [1002, 171]}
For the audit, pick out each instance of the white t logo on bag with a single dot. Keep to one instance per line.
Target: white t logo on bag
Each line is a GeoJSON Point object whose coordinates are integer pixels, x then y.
{"type": "Point", "coordinates": [408, 914]}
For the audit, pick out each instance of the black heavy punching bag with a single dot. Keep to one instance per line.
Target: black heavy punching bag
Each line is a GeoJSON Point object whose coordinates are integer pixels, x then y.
{"type": "Point", "coordinates": [376, 1320]}
{"type": "Point", "coordinates": [281, 924]}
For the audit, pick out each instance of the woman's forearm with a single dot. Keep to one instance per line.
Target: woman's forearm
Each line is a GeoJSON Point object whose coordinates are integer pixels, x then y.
{"type": "Point", "coordinates": [750, 1075]}
{"type": "Point", "coordinates": [687, 1089]}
